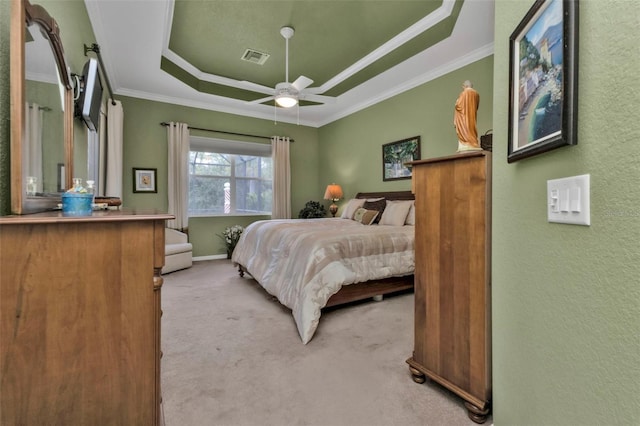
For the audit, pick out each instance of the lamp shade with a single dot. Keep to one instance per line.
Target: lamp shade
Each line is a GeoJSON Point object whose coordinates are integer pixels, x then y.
{"type": "Point", "coordinates": [333, 192]}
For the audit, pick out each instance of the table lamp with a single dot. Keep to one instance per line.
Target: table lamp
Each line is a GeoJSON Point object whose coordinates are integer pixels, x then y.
{"type": "Point", "coordinates": [333, 193]}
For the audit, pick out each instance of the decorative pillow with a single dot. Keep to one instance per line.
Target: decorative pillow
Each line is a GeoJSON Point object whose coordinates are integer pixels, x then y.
{"type": "Point", "coordinates": [395, 214]}
{"type": "Point", "coordinates": [378, 205]}
{"type": "Point", "coordinates": [411, 217]}
{"type": "Point", "coordinates": [351, 207]}
{"type": "Point", "coordinates": [364, 216]}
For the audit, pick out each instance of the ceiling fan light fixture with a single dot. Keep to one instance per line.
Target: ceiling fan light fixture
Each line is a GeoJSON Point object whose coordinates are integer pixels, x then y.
{"type": "Point", "coordinates": [286, 96]}
{"type": "Point", "coordinates": [286, 101]}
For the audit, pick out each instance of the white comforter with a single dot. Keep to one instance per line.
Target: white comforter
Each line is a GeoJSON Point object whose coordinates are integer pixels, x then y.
{"type": "Point", "coordinates": [303, 262]}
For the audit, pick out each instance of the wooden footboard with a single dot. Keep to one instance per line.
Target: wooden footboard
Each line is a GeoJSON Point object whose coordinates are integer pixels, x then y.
{"type": "Point", "coordinates": [360, 291]}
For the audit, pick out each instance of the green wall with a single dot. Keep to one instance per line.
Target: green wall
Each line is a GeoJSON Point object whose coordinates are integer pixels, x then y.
{"type": "Point", "coordinates": [566, 299]}
{"type": "Point", "coordinates": [351, 148]}
{"type": "Point", "coordinates": [348, 151]}
{"type": "Point", "coordinates": [145, 145]}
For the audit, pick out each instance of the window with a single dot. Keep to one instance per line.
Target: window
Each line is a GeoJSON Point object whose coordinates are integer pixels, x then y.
{"type": "Point", "coordinates": [229, 178]}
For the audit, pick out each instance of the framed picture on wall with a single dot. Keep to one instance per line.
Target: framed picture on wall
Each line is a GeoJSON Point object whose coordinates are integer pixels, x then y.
{"type": "Point", "coordinates": [396, 154]}
{"type": "Point", "coordinates": [144, 180]}
{"type": "Point", "coordinates": [543, 78]}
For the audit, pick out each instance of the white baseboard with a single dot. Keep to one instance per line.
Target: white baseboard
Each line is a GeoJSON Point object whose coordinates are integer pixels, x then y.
{"type": "Point", "coordinates": [211, 257]}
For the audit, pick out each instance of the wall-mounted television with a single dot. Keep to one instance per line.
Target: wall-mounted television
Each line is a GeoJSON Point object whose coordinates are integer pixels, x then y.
{"type": "Point", "coordinates": [90, 99]}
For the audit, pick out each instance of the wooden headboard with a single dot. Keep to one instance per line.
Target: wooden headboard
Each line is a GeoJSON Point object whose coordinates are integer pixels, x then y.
{"type": "Point", "coordinates": [389, 195]}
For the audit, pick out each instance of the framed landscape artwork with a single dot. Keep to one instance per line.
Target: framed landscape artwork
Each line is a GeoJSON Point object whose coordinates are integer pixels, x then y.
{"type": "Point", "coordinates": [395, 154]}
{"type": "Point", "coordinates": [543, 60]}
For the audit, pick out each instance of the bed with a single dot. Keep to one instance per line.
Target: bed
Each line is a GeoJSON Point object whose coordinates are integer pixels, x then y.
{"type": "Point", "coordinates": [311, 264]}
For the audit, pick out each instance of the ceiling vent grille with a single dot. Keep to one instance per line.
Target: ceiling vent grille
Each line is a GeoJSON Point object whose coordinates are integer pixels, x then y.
{"type": "Point", "coordinates": [255, 56]}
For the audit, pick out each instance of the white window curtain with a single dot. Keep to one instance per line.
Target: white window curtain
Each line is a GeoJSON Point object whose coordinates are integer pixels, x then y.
{"type": "Point", "coordinates": [102, 153]}
{"type": "Point", "coordinates": [178, 171]}
{"type": "Point", "coordinates": [33, 145]}
{"type": "Point", "coordinates": [93, 156]}
{"type": "Point", "coordinates": [281, 208]}
{"type": "Point", "coordinates": [115, 118]}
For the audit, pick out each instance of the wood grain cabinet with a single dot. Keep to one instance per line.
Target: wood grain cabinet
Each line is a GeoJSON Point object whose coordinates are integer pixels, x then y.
{"type": "Point", "coordinates": [452, 343]}
{"type": "Point", "coordinates": [80, 318]}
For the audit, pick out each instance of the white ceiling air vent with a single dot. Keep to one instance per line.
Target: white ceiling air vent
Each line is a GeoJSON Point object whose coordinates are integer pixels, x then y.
{"type": "Point", "coordinates": [255, 56]}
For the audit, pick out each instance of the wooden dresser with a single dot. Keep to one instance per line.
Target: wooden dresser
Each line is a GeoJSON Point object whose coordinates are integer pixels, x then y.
{"type": "Point", "coordinates": [80, 318]}
{"type": "Point", "coordinates": [452, 343]}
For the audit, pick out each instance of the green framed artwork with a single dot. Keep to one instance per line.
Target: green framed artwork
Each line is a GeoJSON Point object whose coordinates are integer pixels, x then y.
{"type": "Point", "coordinates": [396, 154]}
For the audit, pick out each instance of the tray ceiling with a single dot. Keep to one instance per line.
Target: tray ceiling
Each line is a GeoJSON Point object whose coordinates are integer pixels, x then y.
{"type": "Point", "coordinates": [189, 52]}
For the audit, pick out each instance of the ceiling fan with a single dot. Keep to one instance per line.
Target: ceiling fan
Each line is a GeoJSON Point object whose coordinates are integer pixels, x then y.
{"type": "Point", "coordinates": [288, 94]}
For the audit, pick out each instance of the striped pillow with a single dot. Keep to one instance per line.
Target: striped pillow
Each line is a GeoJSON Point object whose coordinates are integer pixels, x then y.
{"type": "Point", "coordinates": [364, 216]}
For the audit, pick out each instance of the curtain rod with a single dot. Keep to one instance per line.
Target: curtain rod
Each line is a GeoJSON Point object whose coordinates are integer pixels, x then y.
{"type": "Point", "coordinates": [96, 49]}
{"type": "Point", "coordinates": [226, 133]}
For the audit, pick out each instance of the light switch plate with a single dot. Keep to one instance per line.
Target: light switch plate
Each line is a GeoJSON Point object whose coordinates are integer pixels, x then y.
{"type": "Point", "coordinates": [568, 200]}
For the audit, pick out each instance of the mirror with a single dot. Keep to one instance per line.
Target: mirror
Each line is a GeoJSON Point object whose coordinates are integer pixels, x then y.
{"type": "Point", "coordinates": [41, 111]}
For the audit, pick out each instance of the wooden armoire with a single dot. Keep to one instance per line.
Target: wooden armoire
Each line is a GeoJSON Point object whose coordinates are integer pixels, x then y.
{"type": "Point", "coordinates": [80, 318]}
{"type": "Point", "coordinates": [452, 345]}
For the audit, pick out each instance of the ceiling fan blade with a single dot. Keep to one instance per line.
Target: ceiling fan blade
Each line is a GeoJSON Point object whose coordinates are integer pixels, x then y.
{"type": "Point", "coordinates": [314, 90]}
{"type": "Point", "coordinates": [255, 87]}
{"type": "Point", "coordinates": [301, 82]}
{"type": "Point", "coordinates": [318, 98]}
{"type": "Point", "coordinates": [259, 101]}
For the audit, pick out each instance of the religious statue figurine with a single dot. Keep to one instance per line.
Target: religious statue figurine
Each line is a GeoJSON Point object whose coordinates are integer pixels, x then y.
{"type": "Point", "coordinates": [464, 118]}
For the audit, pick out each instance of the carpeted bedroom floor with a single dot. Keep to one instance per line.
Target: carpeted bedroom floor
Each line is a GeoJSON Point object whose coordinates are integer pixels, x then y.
{"type": "Point", "coordinates": [233, 356]}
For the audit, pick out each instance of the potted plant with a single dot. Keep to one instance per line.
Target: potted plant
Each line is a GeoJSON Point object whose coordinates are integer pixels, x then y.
{"type": "Point", "coordinates": [312, 209]}
{"type": "Point", "coordinates": [231, 235]}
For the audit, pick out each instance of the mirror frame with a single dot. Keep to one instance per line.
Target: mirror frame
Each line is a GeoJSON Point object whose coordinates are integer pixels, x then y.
{"type": "Point", "coordinates": [23, 14]}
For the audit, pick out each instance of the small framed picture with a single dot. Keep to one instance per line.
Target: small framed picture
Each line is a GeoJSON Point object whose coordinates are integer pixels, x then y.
{"type": "Point", "coordinates": [144, 180]}
{"type": "Point", "coordinates": [543, 78]}
{"type": "Point", "coordinates": [396, 154]}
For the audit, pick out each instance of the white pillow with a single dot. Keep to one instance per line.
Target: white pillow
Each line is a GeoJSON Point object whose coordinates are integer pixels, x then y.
{"type": "Point", "coordinates": [411, 217]}
{"type": "Point", "coordinates": [351, 207]}
{"type": "Point", "coordinates": [395, 213]}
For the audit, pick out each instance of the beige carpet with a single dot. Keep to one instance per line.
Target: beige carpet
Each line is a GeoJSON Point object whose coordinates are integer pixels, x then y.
{"type": "Point", "coordinates": [232, 356]}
